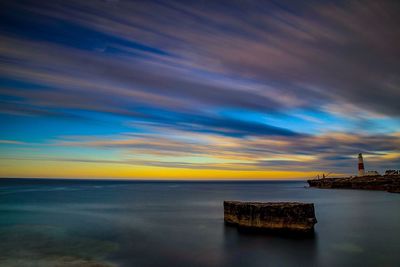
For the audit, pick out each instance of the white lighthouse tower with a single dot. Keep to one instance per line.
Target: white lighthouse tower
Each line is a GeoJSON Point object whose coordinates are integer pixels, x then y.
{"type": "Point", "coordinates": [361, 171]}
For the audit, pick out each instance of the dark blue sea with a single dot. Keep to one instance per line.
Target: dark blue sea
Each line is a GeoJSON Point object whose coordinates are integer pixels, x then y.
{"type": "Point", "coordinates": [125, 223]}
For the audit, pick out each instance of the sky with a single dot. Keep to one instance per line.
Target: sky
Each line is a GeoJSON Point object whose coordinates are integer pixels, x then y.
{"type": "Point", "coordinates": [198, 89]}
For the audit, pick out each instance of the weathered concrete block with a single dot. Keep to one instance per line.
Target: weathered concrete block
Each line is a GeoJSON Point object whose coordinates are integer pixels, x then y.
{"type": "Point", "coordinates": [286, 216]}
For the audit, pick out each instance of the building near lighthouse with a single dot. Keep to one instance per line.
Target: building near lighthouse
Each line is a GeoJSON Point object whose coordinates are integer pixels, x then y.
{"type": "Point", "coordinates": [361, 169]}
{"type": "Point", "coordinates": [372, 173]}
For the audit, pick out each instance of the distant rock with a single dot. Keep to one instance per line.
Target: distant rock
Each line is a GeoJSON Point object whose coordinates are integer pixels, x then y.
{"type": "Point", "coordinates": [272, 216]}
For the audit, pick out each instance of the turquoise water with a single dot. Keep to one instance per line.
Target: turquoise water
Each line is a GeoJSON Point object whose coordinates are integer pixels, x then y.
{"type": "Point", "coordinates": [119, 223]}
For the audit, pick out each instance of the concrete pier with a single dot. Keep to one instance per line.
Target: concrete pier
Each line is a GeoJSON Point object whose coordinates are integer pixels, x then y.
{"type": "Point", "coordinates": [275, 216]}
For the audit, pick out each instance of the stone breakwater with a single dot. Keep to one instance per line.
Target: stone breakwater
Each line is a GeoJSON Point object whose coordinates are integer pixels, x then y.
{"type": "Point", "coordinates": [276, 216]}
{"type": "Point", "coordinates": [383, 183]}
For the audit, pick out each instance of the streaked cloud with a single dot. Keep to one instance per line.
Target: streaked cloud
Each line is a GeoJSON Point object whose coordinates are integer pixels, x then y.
{"type": "Point", "coordinates": [249, 85]}
{"type": "Point", "coordinates": [11, 142]}
{"type": "Point", "coordinates": [335, 151]}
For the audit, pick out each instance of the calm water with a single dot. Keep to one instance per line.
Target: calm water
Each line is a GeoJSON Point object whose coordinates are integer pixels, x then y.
{"type": "Point", "coordinates": [119, 223]}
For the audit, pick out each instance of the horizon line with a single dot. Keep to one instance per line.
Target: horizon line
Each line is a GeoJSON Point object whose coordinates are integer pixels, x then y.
{"type": "Point", "coordinates": [153, 180]}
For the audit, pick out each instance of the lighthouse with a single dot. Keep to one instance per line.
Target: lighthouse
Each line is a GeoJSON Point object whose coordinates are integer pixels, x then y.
{"type": "Point", "coordinates": [361, 171]}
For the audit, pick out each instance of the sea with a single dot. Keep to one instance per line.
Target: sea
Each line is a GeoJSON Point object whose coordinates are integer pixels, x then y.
{"type": "Point", "coordinates": [55, 222]}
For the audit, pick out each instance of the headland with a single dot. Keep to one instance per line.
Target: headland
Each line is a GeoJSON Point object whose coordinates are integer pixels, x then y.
{"type": "Point", "coordinates": [368, 180]}
{"type": "Point", "coordinates": [390, 183]}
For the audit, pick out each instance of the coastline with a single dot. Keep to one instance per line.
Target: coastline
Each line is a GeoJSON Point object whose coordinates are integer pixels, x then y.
{"type": "Point", "coordinates": [378, 182]}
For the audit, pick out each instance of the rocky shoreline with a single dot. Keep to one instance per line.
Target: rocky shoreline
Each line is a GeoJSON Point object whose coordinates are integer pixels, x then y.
{"type": "Point", "coordinates": [382, 183]}
{"type": "Point", "coordinates": [272, 216]}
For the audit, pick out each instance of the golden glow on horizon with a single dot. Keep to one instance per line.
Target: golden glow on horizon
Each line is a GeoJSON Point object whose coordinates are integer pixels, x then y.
{"type": "Point", "coordinates": [55, 169]}
{"type": "Point", "coordinates": [178, 156]}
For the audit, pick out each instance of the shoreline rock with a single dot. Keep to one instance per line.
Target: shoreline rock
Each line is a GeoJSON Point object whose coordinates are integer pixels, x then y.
{"type": "Point", "coordinates": [380, 183]}
{"type": "Point", "coordinates": [271, 216]}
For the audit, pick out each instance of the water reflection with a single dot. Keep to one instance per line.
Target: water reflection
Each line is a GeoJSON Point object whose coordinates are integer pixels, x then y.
{"type": "Point", "coordinates": [245, 247]}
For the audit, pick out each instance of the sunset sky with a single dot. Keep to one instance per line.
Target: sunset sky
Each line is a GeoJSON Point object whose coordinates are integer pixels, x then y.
{"type": "Point", "coordinates": [198, 89]}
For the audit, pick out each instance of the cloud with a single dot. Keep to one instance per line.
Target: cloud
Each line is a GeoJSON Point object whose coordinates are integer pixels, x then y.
{"type": "Point", "coordinates": [125, 91]}
{"type": "Point", "coordinates": [334, 152]}
{"type": "Point", "coordinates": [11, 142]}
{"type": "Point", "coordinates": [321, 53]}
{"type": "Point", "coordinates": [170, 69]}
